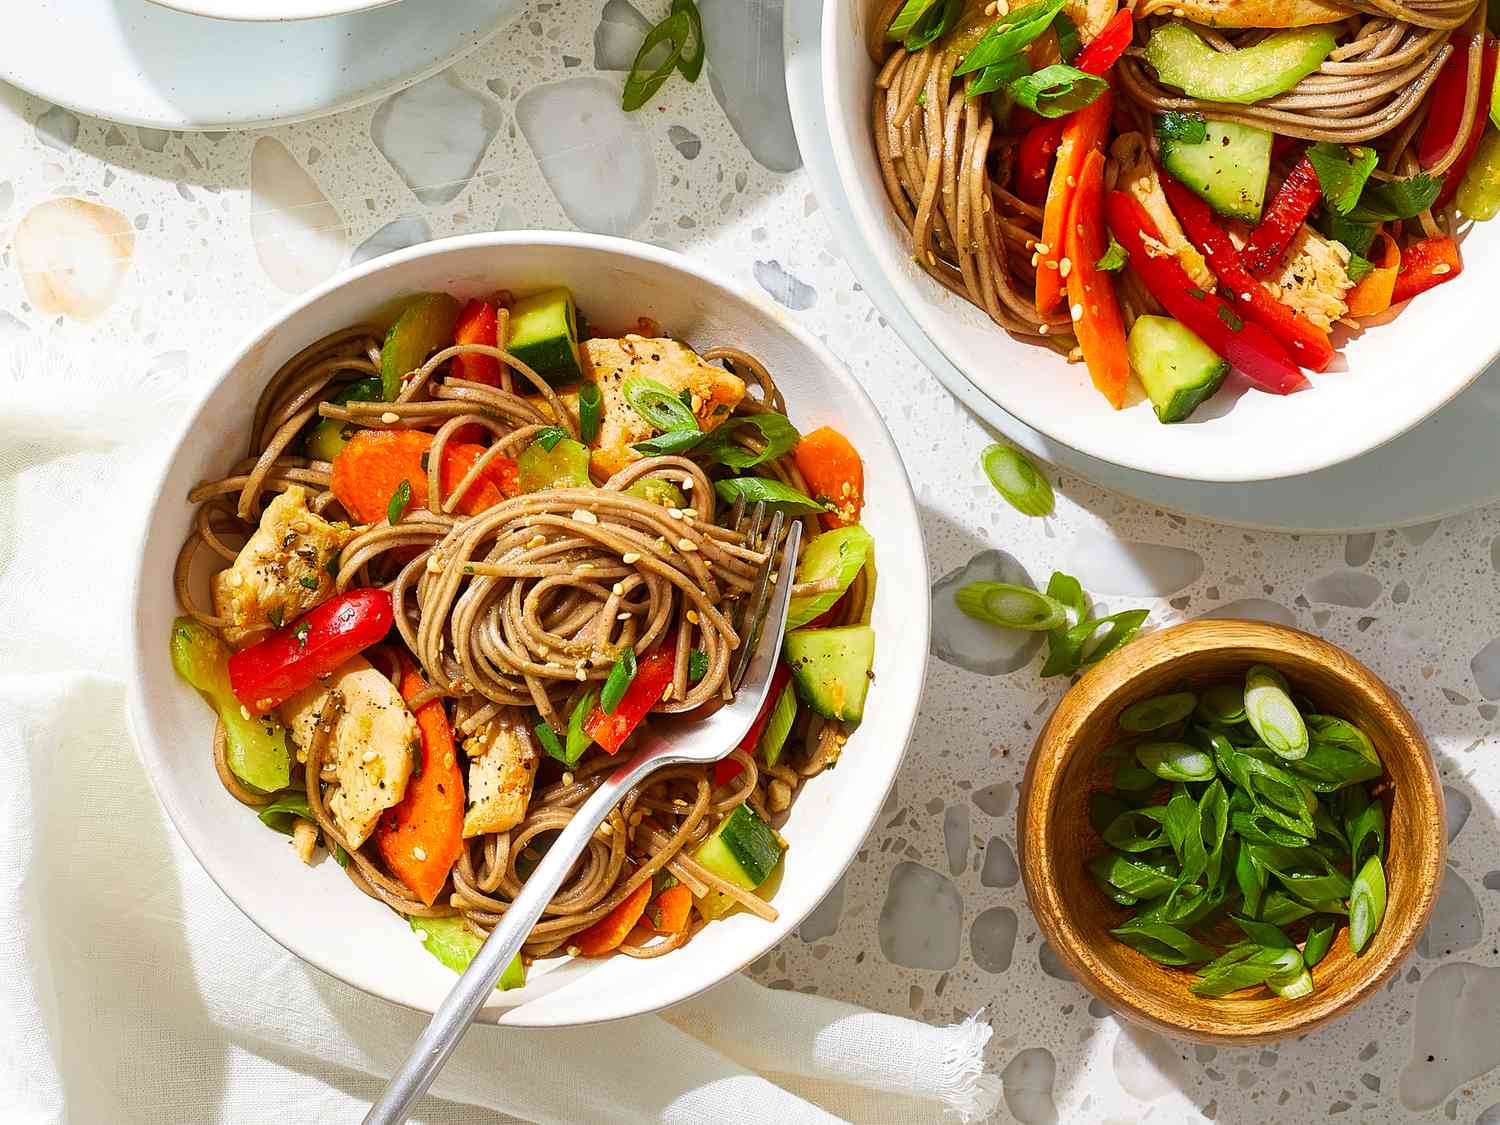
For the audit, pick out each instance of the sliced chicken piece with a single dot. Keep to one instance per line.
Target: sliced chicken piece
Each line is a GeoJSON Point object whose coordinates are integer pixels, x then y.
{"type": "Point", "coordinates": [1138, 176]}
{"type": "Point", "coordinates": [1090, 16]}
{"type": "Point", "coordinates": [1248, 13]}
{"type": "Point", "coordinates": [502, 767]}
{"type": "Point", "coordinates": [281, 571]}
{"type": "Point", "coordinates": [1314, 277]}
{"type": "Point", "coordinates": [372, 748]}
{"type": "Point", "coordinates": [713, 393]}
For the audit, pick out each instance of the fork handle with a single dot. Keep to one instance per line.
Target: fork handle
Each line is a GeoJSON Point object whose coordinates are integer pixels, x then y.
{"type": "Point", "coordinates": [478, 981]}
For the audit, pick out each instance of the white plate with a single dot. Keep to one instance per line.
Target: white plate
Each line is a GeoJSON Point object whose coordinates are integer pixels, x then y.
{"type": "Point", "coordinates": [143, 64]}
{"type": "Point", "coordinates": [1381, 489]}
{"type": "Point", "coordinates": [272, 10]}
{"type": "Point", "coordinates": [316, 913]}
{"type": "Point", "coordinates": [1398, 374]}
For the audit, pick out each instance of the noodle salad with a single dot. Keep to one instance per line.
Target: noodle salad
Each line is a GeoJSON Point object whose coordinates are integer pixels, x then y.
{"type": "Point", "coordinates": [466, 559]}
{"type": "Point", "coordinates": [1180, 187]}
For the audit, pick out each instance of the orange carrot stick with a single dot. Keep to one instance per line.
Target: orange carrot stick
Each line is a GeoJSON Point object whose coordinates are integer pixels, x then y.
{"type": "Point", "coordinates": [607, 933]}
{"type": "Point", "coordinates": [421, 838]}
{"type": "Point", "coordinates": [669, 910]}
{"type": "Point", "coordinates": [1373, 293]}
{"type": "Point", "coordinates": [373, 464]}
{"type": "Point", "coordinates": [1084, 133]}
{"type": "Point", "coordinates": [1096, 322]}
{"type": "Point", "coordinates": [834, 474]}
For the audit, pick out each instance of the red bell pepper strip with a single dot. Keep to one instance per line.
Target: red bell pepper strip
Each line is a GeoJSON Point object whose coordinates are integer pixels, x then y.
{"type": "Point", "coordinates": [1084, 133]}
{"type": "Point", "coordinates": [727, 769]}
{"type": "Point", "coordinates": [652, 675]}
{"type": "Point", "coordinates": [422, 837]}
{"type": "Point", "coordinates": [478, 323]}
{"type": "Point", "coordinates": [1304, 341]}
{"type": "Point", "coordinates": [1040, 142]}
{"type": "Point", "coordinates": [1446, 109]}
{"type": "Point", "coordinates": [267, 674]}
{"type": "Point", "coordinates": [1298, 195]}
{"type": "Point", "coordinates": [1424, 264]}
{"type": "Point", "coordinates": [1097, 322]}
{"type": "Point", "coordinates": [1248, 347]}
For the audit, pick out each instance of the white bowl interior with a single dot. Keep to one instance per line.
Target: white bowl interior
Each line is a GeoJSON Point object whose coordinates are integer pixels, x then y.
{"type": "Point", "coordinates": [271, 11]}
{"type": "Point", "coordinates": [1390, 378]}
{"type": "Point", "coordinates": [317, 913]}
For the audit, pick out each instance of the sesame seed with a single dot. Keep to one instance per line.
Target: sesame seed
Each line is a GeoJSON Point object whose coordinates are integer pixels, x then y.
{"type": "Point", "coordinates": [674, 513]}
{"type": "Point", "coordinates": [1043, 329]}
{"type": "Point", "coordinates": [622, 617]}
{"type": "Point", "coordinates": [419, 853]}
{"type": "Point", "coordinates": [630, 557]}
{"type": "Point", "coordinates": [1072, 182]}
{"type": "Point", "coordinates": [1050, 264]}
{"type": "Point", "coordinates": [1077, 312]}
{"type": "Point", "coordinates": [368, 756]}
{"type": "Point", "coordinates": [583, 515]}
{"type": "Point", "coordinates": [573, 951]}
{"type": "Point", "coordinates": [1441, 268]}
{"type": "Point", "coordinates": [605, 829]}
{"type": "Point", "coordinates": [617, 589]}
{"type": "Point", "coordinates": [567, 779]}
{"type": "Point", "coordinates": [536, 541]}
{"type": "Point", "coordinates": [1065, 267]}
{"type": "Point", "coordinates": [585, 566]}
{"type": "Point", "coordinates": [690, 513]}
{"type": "Point", "coordinates": [687, 485]}
{"type": "Point", "coordinates": [1043, 248]}
{"type": "Point", "coordinates": [666, 693]}
{"type": "Point", "coordinates": [389, 417]}
{"type": "Point", "coordinates": [686, 545]}
{"type": "Point", "coordinates": [1034, 260]}
{"type": "Point", "coordinates": [244, 712]}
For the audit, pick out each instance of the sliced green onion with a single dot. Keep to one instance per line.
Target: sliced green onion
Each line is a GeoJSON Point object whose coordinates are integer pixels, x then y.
{"type": "Point", "coordinates": [284, 809]}
{"type": "Point", "coordinates": [1132, 875]}
{"type": "Point", "coordinates": [618, 681]}
{"type": "Point", "coordinates": [1131, 778]}
{"type": "Point", "coordinates": [1157, 712]}
{"type": "Point", "coordinates": [1069, 42]}
{"type": "Point", "coordinates": [1166, 945]}
{"type": "Point", "coordinates": [640, 83]}
{"type": "Point", "coordinates": [755, 490]}
{"type": "Point", "coordinates": [1366, 904]}
{"type": "Point", "coordinates": [579, 739]}
{"type": "Point", "coordinates": [550, 742]}
{"type": "Point", "coordinates": [1137, 830]}
{"type": "Point", "coordinates": [1056, 90]}
{"type": "Point", "coordinates": [1011, 607]}
{"type": "Point", "coordinates": [1175, 761]}
{"type": "Point", "coordinates": [588, 412]}
{"type": "Point", "coordinates": [907, 18]}
{"type": "Point", "coordinates": [1009, 35]}
{"type": "Point", "coordinates": [934, 24]}
{"type": "Point", "coordinates": [1341, 733]}
{"type": "Point", "coordinates": [1017, 479]}
{"type": "Point", "coordinates": [697, 665]}
{"type": "Point", "coordinates": [1223, 704]}
{"type": "Point", "coordinates": [1293, 986]}
{"type": "Point", "coordinates": [995, 78]}
{"type": "Point", "coordinates": [690, 65]}
{"type": "Point", "coordinates": [658, 404]}
{"type": "Point", "coordinates": [777, 434]}
{"type": "Point", "coordinates": [1272, 714]}
{"type": "Point", "coordinates": [1319, 941]}
{"type": "Point", "coordinates": [399, 500]}
{"type": "Point", "coordinates": [548, 437]}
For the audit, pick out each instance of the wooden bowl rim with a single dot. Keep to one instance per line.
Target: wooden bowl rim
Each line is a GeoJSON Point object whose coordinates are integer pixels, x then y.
{"type": "Point", "coordinates": [1057, 741]}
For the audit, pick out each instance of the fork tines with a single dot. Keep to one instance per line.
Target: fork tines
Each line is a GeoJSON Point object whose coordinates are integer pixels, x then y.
{"type": "Point", "coordinates": [754, 617]}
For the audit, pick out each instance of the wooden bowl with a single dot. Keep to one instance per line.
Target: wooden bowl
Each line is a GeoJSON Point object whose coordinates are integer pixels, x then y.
{"type": "Point", "coordinates": [1057, 840]}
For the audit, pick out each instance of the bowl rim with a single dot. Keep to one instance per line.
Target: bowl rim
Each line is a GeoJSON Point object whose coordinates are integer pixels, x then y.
{"type": "Point", "coordinates": [922, 296]}
{"type": "Point", "coordinates": [835, 856]}
{"type": "Point", "coordinates": [1117, 672]}
{"type": "Point", "coordinates": [280, 11]}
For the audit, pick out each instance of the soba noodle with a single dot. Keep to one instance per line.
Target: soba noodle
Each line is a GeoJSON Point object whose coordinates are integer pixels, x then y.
{"type": "Point", "coordinates": [511, 609]}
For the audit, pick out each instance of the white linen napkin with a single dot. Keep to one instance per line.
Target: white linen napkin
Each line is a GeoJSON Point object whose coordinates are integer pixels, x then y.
{"type": "Point", "coordinates": [133, 991]}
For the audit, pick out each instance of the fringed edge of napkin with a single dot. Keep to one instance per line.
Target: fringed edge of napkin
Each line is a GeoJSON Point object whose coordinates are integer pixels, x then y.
{"type": "Point", "coordinates": [968, 1091]}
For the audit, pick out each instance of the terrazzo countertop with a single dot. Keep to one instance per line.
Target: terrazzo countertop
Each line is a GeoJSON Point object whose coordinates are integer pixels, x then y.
{"type": "Point", "coordinates": [165, 247]}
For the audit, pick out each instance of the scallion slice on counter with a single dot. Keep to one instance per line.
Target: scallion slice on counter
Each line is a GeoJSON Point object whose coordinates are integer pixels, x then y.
{"type": "Point", "coordinates": [1272, 714]}
{"type": "Point", "coordinates": [1158, 711]}
{"type": "Point", "coordinates": [1017, 479]}
{"type": "Point", "coordinates": [588, 412]}
{"type": "Point", "coordinates": [1011, 607]}
{"type": "Point", "coordinates": [659, 405]}
{"type": "Point", "coordinates": [690, 64]}
{"type": "Point", "coordinates": [641, 83]}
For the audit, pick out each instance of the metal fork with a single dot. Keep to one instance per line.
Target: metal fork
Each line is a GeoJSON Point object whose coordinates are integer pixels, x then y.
{"type": "Point", "coordinates": [663, 744]}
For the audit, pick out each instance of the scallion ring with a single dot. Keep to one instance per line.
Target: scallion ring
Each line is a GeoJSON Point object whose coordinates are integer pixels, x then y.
{"type": "Point", "coordinates": [659, 405]}
{"type": "Point", "coordinates": [640, 83]}
{"type": "Point", "coordinates": [588, 412]}
{"type": "Point", "coordinates": [618, 682]}
{"type": "Point", "coordinates": [1272, 714]}
{"type": "Point", "coordinates": [690, 64]}
{"type": "Point", "coordinates": [1011, 607]}
{"type": "Point", "coordinates": [1366, 904]}
{"type": "Point", "coordinates": [1175, 761]}
{"type": "Point", "coordinates": [1017, 479]}
{"type": "Point", "coordinates": [1157, 712]}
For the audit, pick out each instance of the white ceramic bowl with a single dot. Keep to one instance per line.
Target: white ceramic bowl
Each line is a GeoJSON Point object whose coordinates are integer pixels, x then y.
{"type": "Point", "coordinates": [271, 11]}
{"type": "Point", "coordinates": [310, 910]}
{"type": "Point", "coordinates": [1397, 374]}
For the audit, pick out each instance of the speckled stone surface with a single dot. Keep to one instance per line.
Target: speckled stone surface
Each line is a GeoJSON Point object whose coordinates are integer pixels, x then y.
{"type": "Point", "coordinates": [164, 247]}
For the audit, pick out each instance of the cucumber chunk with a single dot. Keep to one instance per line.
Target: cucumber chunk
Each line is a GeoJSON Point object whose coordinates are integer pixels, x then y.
{"type": "Point", "coordinates": [1251, 74]}
{"type": "Point", "coordinates": [831, 669]}
{"type": "Point", "coordinates": [658, 491]}
{"type": "Point", "coordinates": [1177, 369]}
{"type": "Point", "coordinates": [1228, 168]}
{"type": "Point", "coordinates": [544, 335]}
{"type": "Point", "coordinates": [744, 850]}
{"type": "Point", "coordinates": [328, 436]}
{"type": "Point", "coordinates": [454, 944]}
{"type": "Point", "coordinates": [839, 554]}
{"type": "Point", "coordinates": [565, 465]}
{"type": "Point", "coordinates": [424, 326]}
